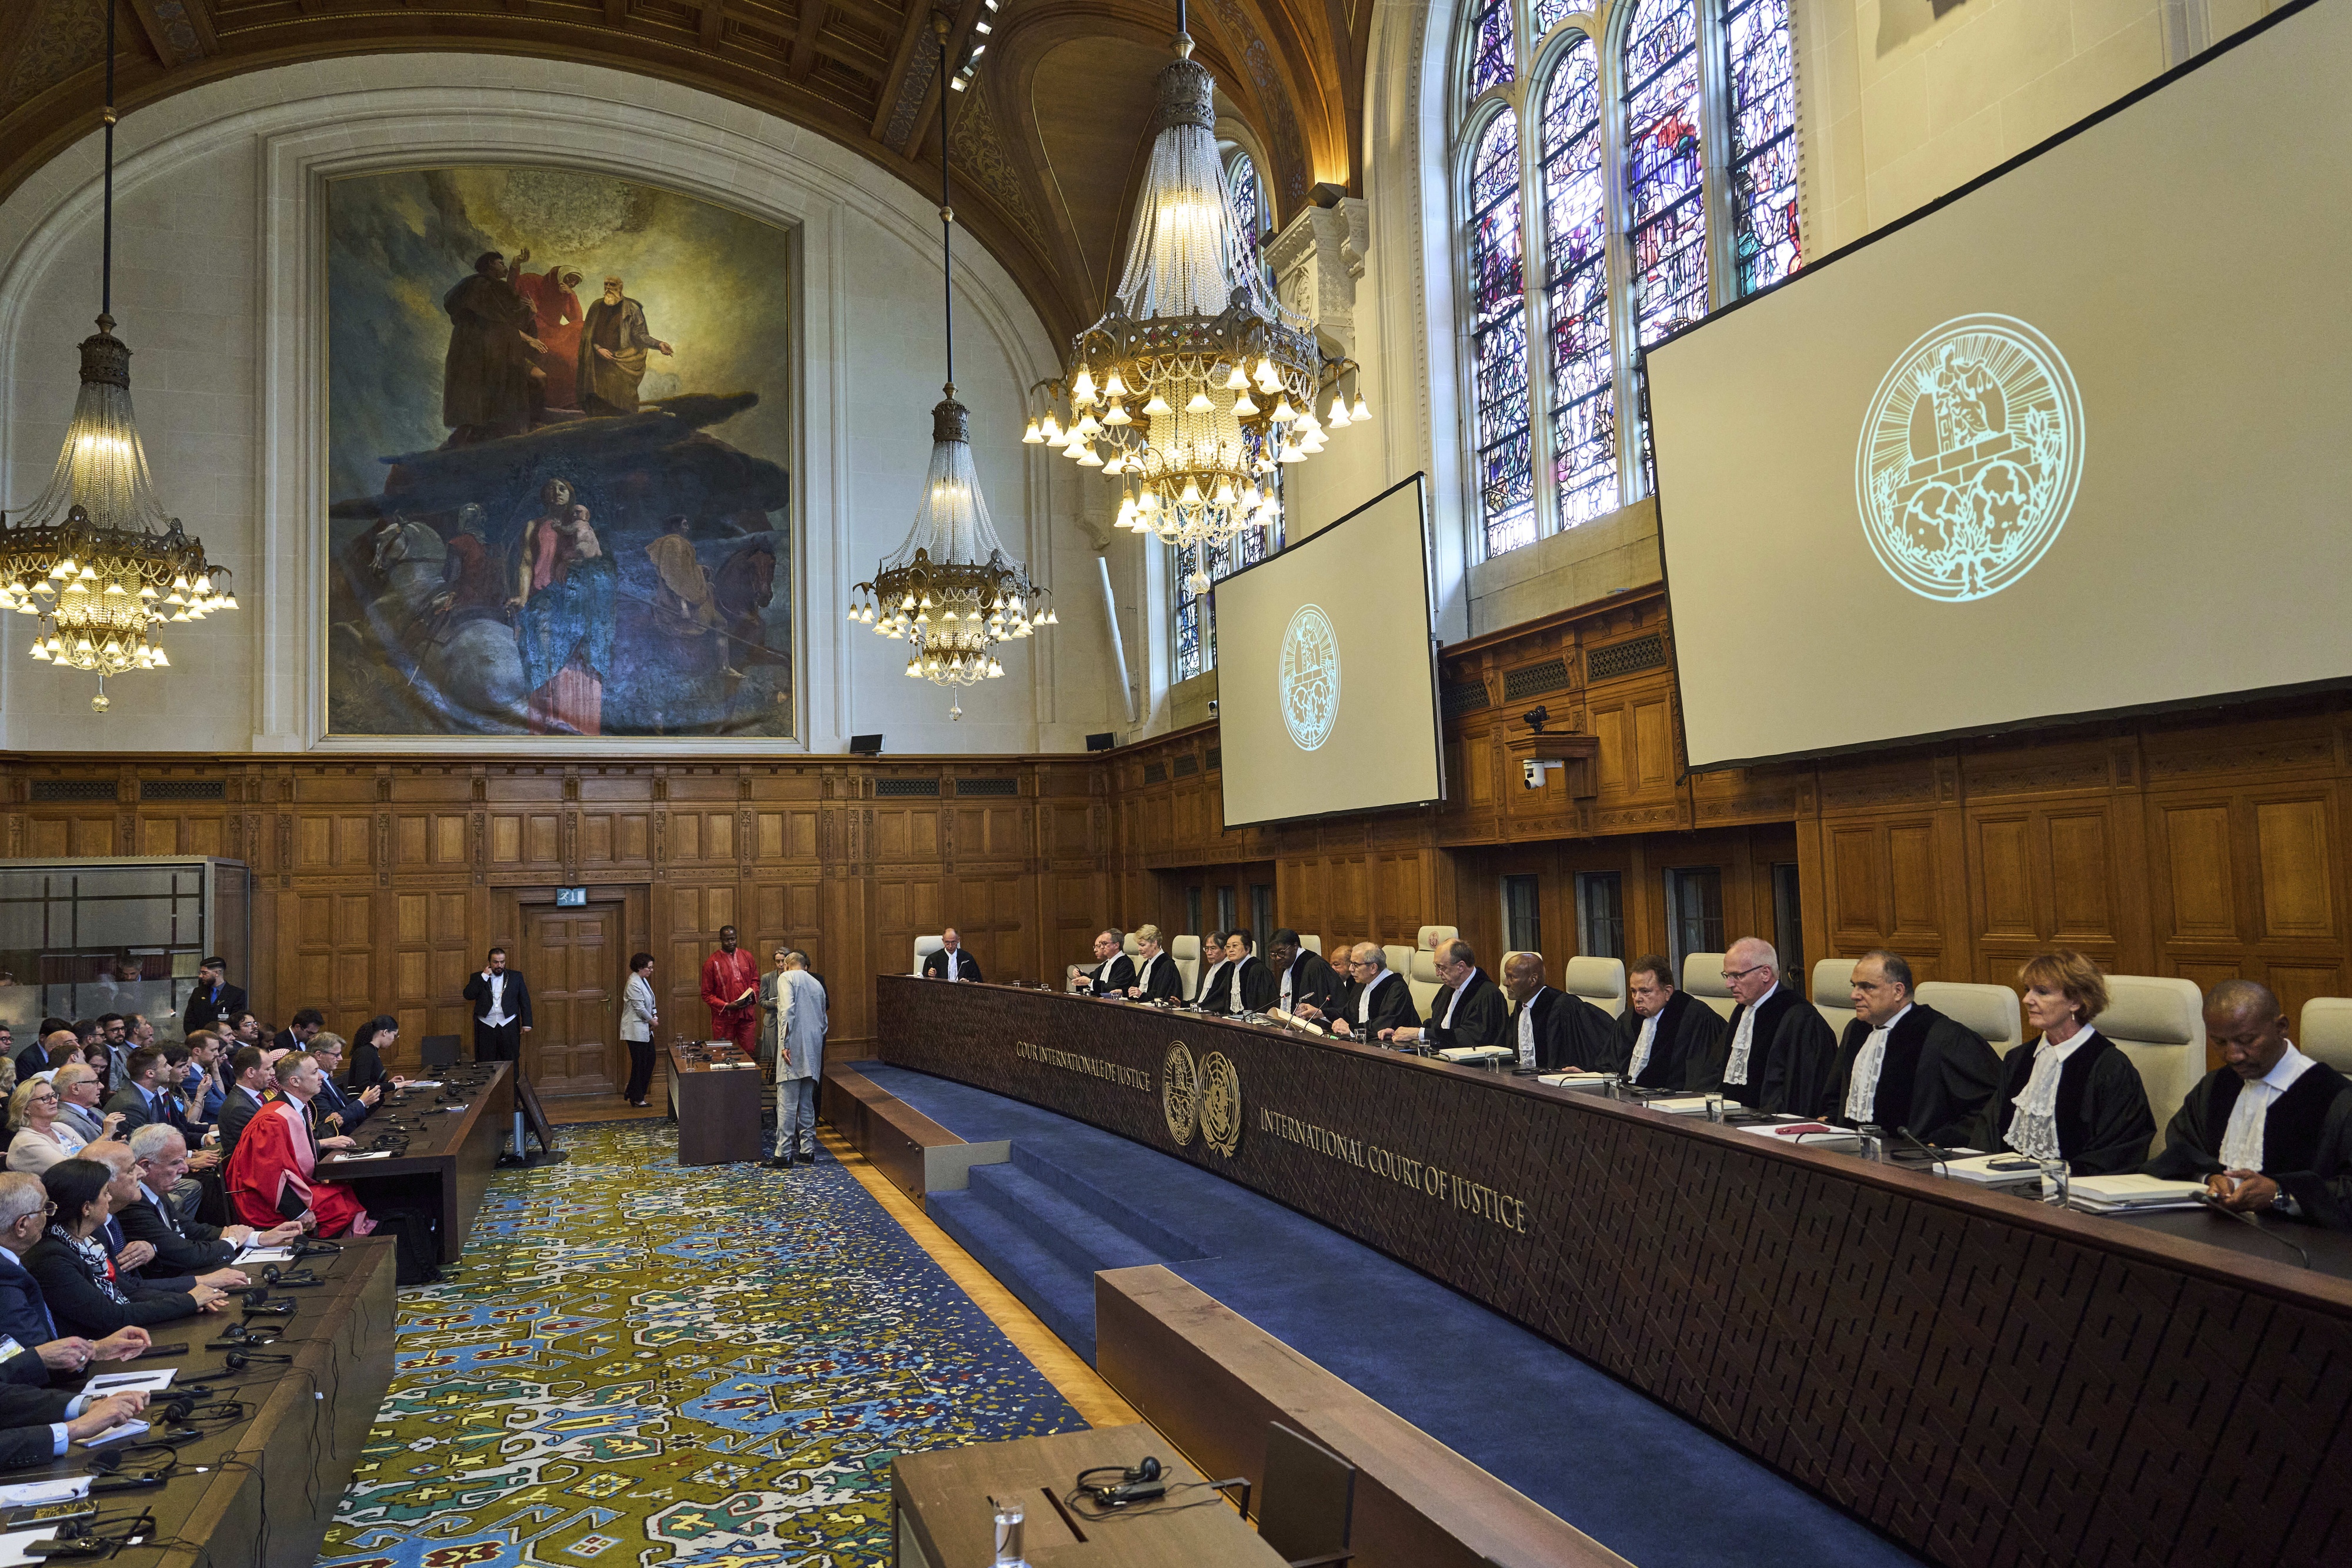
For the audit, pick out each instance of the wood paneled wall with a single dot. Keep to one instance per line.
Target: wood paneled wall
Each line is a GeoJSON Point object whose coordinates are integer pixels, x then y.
{"type": "Point", "coordinates": [2203, 847]}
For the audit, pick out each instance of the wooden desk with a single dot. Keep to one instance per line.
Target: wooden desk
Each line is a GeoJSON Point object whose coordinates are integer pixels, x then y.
{"type": "Point", "coordinates": [292, 1458]}
{"type": "Point", "coordinates": [717, 1108]}
{"type": "Point", "coordinates": [942, 1517]}
{"type": "Point", "coordinates": [1983, 1377]}
{"type": "Point", "coordinates": [449, 1155]}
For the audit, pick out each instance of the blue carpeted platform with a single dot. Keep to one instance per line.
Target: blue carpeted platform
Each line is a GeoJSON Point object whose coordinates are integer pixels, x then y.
{"type": "Point", "coordinates": [1638, 1478]}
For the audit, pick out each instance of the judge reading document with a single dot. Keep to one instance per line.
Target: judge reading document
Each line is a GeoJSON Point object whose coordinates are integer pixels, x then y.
{"type": "Point", "coordinates": [2072, 1093]}
{"type": "Point", "coordinates": [1157, 978]}
{"type": "Point", "coordinates": [1468, 1013]}
{"type": "Point", "coordinates": [1112, 971]}
{"type": "Point", "coordinates": [1551, 1031]}
{"type": "Point", "coordinates": [1302, 982]}
{"type": "Point", "coordinates": [1904, 1064]}
{"type": "Point", "coordinates": [1667, 1039]}
{"type": "Point", "coordinates": [952, 962]}
{"type": "Point", "coordinates": [1781, 1050]}
{"type": "Point", "coordinates": [1380, 1000]}
{"type": "Point", "coordinates": [2269, 1128]}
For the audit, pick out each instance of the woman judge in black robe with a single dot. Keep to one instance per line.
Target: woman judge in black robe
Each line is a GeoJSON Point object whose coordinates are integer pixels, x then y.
{"type": "Point", "coordinates": [2071, 1093]}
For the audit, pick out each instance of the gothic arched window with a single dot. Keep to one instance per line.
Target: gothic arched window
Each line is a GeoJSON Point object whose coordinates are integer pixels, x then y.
{"type": "Point", "coordinates": [1657, 182]}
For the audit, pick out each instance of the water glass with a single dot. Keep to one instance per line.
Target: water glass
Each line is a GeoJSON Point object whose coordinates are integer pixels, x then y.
{"type": "Point", "coordinates": [1714, 1105]}
{"type": "Point", "coordinates": [1609, 1081]}
{"type": "Point", "coordinates": [2055, 1174]}
{"type": "Point", "coordinates": [1009, 1517]}
{"type": "Point", "coordinates": [1873, 1141]}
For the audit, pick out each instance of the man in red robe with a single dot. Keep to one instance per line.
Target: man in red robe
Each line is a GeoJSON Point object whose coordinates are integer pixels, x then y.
{"type": "Point", "coordinates": [270, 1176]}
{"type": "Point", "coordinates": [556, 308]}
{"type": "Point", "coordinates": [730, 989]}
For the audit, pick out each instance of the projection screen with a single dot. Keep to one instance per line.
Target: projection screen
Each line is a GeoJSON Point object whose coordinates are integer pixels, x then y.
{"type": "Point", "coordinates": [1326, 671]}
{"type": "Point", "coordinates": [2076, 440]}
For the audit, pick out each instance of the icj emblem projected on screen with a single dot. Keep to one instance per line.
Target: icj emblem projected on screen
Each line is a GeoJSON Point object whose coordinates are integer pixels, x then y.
{"type": "Point", "coordinates": [1308, 677]}
{"type": "Point", "coordinates": [1969, 457]}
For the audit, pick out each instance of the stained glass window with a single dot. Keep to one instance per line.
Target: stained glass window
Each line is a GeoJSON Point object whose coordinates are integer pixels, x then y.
{"type": "Point", "coordinates": [1665, 195]}
{"type": "Point", "coordinates": [1249, 199]}
{"type": "Point", "coordinates": [1550, 11]}
{"type": "Point", "coordinates": [1491, 57]}
{"type": "Point", "coordinates": [1763, 141]}
{"type": "Point", "coordinates": [1196, 616]}
{"type": "Point", "coordinates": [1576, 235]}
{"type": "Point", "coordinates": [1499, 339]}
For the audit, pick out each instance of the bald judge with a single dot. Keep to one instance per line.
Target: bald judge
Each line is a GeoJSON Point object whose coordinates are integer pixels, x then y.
{"type": "Point", "coordinates": [2269, 1128]}
{"type": "Point", "coordinates": [1781, 1050]}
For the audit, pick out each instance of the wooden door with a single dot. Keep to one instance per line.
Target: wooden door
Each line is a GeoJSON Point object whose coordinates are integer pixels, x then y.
{"type": "Point", "coordinates": [571, 957]}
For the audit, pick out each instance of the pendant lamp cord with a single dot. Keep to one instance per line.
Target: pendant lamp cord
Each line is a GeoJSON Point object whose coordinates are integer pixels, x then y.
{"type": "Point", "coordinates": [947, 209]}
{"type": "Point", "coordinates": [106, 252]}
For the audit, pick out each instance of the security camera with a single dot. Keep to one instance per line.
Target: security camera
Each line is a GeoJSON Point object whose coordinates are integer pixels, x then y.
{"type": "Point", "coordinates": [1535, 718]}
{"type": "Point", "coordinates": [1213, 708]}
{"type": "Point", "coordinates": [1532, 774]}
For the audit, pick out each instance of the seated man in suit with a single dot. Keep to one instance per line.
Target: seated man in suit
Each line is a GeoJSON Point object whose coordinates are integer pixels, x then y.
{"type": "Point", "coordinates": [1250, 987]}
{"type": "Point", "coordinates": [1382, 1002]}
{"type": "Point", "coordinates": [1668, 1039]}
{"type": "Point", "coordinates": [2269, 1128]}
{"type": "Point", "coordinates": [1157, 978]}
{"type": "Point", "coordinates": [181, 1246]}
{"type": "Point", "coordinates": [1781, 1050]}
{"type": "Point", "coordinates": [950, 962]}
{"type": "Point", "coordinates": [40, 1354]}
{"type": "Point", "coordinates": [1552, 1030]}
{"type": "Point", "coordinates": [1469, 1012]}
{"type": "Point", "coordinates": [2070, 1094]}
{"type": "Point", "coordinates": [142, 1098]}
{"type": "Point", "coordinates": [1210, 996]}
{"type": "Point", "coordinates": [1112, 971]}
{"type": "Point", "coordinates": [1302, 982]}
{"type": "Point", "coordinates": [250, 1078]}
{"type": "Point", "coordinates": [298, 1034]}
{"type": "Point", "coordinates": [336, 1109]}
{"type": "Point", "coordinates": [1904, 1064]}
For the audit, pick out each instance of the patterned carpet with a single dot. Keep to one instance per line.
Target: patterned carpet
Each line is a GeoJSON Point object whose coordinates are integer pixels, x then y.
{"type": "Point", "coordinates": [640, 1363]}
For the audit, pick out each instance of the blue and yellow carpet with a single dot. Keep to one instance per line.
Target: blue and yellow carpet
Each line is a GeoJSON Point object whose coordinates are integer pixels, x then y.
{"type": "Point", "coordinates": [641, 1364]}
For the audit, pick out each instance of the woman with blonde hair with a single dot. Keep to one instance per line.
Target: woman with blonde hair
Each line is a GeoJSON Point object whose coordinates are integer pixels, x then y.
{"type": "Point", "coordinates": [2072, 1094]}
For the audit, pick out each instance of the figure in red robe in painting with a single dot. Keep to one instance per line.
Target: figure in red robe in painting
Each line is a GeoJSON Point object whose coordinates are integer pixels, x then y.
{"type": "Point", "coordinates": [730, 989]}
{"type": "Point", "coordinates": [564, 586]}
{"type": "Point", "coordinates": [557, 308]}
{"type": "Point", "coordinates": [269, 1176]}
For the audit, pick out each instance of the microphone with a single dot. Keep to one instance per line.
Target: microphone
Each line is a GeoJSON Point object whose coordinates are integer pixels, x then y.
{"type": "Point", "coordinates": [2208, 1198]}
{"type": "Point", "coordinates": [1935, 1155]}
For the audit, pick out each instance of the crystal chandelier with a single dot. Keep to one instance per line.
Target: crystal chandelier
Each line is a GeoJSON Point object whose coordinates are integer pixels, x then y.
{"type": "Point", "coordinates": [94, 559]}
{"type": "Point", "coordinates": [1198, 383]}
{"type": "Point", "coordinates": [949, 591]}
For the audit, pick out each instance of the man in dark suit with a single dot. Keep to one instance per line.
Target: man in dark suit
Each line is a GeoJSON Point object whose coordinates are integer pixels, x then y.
{"type": "Point", "coordinates": [32, 1351]}
{"type": "Point", "coordinates": [1552, 1030]}
{"type": "Point", "coordinates": [1668, 1039]}
{"type": "Point", "coordinates": [1904, 1064]}
{"type": "Point", "coordinates": [214, 998]}
{"type": "Point", "coordinates": [298, 1034]}
{"type": "Point", "coordinates": [952, 962]}
{"type": "Point", "coordinates": [143, 1098]}
{"type": "Point", "coordinates": [182, 1246]}
{"type": "Point", "coordinates": [1781, 1050]}
{"type": "Point", "coordinates": [500, 1001]}
{"type": "Point", "coordinates": [1470, 1012]}
{"type": "Point", "coordinates": [1380, 999]}
{"type": "Point", "coordinates": [1112, 971]}
{"type": "Point", "coordinates": [344, 1111]}
{"type": "Point", "coordinates": [1157, 978]}
{"type": "Point", "coordinates": [250, 1080]}
{"type": "Point", "coordinates": [1304, 983]}
{"type": "Point", "coordinates": [46, 1050]}
{"type": "Point", "coordinates": [1249, 987]}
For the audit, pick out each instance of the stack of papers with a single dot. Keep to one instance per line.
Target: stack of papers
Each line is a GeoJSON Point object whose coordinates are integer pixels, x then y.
{"type": "Point", "coordinates": [2132, 1192]}
{"type": "Point", "coordinates": [335, 1155]}
{"type": "Point", "coordinates": [1682, 1105]}
{"type": "Point", "coordinates": [1571, 1080]}
{"type": "Point", "coordinates": [131, 1428]}
{"type": "Point", "coordinates": [123, 1382]}
{"type": "Point", "coordinates": [1978, 1170]}
{"type": "Point", "coordinates": [1808, 1134]}
{"type": "Point", "coordinates": [1473, 1053]}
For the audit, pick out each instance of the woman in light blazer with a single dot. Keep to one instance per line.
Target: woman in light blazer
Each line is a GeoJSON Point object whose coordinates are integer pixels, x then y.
{"type": "Point", "coordinates": [639, 1018]}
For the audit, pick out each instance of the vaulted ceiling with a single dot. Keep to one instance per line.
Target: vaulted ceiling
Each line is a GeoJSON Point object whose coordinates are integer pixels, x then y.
{"type": "Point", "coordinates": [1046, 144]}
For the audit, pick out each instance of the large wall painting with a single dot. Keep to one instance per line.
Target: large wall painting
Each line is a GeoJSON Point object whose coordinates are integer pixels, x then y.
{"type": "Point", "coordinates": [559, 432]}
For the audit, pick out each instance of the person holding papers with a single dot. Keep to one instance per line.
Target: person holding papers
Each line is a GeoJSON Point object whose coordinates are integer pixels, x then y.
{"type": "Point", "coordinates": [182, 1246]}
{"type": "Point", "coordinates": [1551, 1031]}
{"type": "Point", "coordinates": [1111, 973]}
{"type": "Point", "coordinates": [730, 989]}
{"type": "Point", "coordinates": [1782, 1050]}
{"type": "Point", "coordinates": [1156, 978]}
{"type": "Point", "coordinates": [1904, 1064]}
{"type": "Point", "coordinates": [1215, 989]}
{"type": "Point", "coordinates": [1304, 983]}
{"type": "Point", "coordinates": [2071, 1095]}
{"type": "Point", "coordinates": [1667, 1039]}
{"type": "Point", "coordinates": [1380, 1001]}
{"type": "Point", "coordinates": [2269, 1128]}
{"type": "Point", "coordinates": [1469, 1013]}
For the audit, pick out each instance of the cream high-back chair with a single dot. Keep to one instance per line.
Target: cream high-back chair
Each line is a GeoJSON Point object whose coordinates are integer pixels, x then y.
{"type": "Point", "coordinates": [1130, 946]}
{"type": "Point", "coordinates": [1423, 979]}
{"type": "Point", "coordinates": [2326, 1031]}
{"type": "Point", "coordinates": [1992, 1012]}
{"type": "Point", "coordinates": [1834, 993]}
{"type": "Point", "coordinates": [1430, 935]}
{"type": "Point", "coordinates": [1400, 957]}
{"type": "Point", "coordinates": [924, 947]}
{"type": "Point", "coordinates": [1600, 981]}
{"type": "Point", "coordinates": [1186, 951]}
{"type": "Point", "coordinates": [2158, 1020]}
{"type": "Point", "coordinates": [1311, 941]}
{"type": "Point", "coordinates": [1703, 978]}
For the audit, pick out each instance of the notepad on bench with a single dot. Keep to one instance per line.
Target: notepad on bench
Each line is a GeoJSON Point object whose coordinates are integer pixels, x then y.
{"type": "Point", "coordinates": [346, 1155]}
{"type": "Point", "coordinates": [1571, 1080]}
{"type": "Point", "coordinates": [1978, 1170]}
{"type": "Point", "coordinates": [1472, 1053]}
{"type": "Point", "coordinates": [1681, 1105]}
{"type": "Point", "coordinates": [2119, 1194]}
{"type": "Point", "coordinates": [1805, 1134]}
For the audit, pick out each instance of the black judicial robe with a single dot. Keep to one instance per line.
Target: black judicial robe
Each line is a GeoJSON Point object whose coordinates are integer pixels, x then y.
{"type": "Point", "coordinates": [1158, 977]}
{"type": "Point", "coordinates": [1790, 1055]}
{"type": "Point", "coordinates": [1687, 1052]}
{"type": "Point", "coordinates": [2104, 1122]}
{"type": "Point", "coordinates": [1259, 988]}
{"type": "Point", "coordinates": [1569, 1032]}
{"type": "Point", "coordinates": [2306, 1139]}
{"type": "Point", "coordinates": [1481, 1018]}
{"type": "Point", "coordinates": [1216, 988]}
{"type": "Point", "coordinates": [1937, 1077]}
{"type": "Point", "coordinates": [1311, 980]}
{"type": "Point", "coordinates": [1122, 975]}
{"type": "Point", "coordinates": [1391, 1007]}
{"type": "Point", "coordinates": [966, 966]}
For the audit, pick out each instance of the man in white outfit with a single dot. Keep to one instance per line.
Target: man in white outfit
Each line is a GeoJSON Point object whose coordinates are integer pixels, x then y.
{"type": "Point", "coordinates": [799, 1061]}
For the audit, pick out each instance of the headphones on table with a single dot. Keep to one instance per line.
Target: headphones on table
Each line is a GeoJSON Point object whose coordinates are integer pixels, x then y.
{"type": "Point", "coordinates": [1139, 1483]}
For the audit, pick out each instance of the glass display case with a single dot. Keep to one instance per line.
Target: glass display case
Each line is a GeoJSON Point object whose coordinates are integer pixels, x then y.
{"type": "Point", "coordinates": [83, 937]}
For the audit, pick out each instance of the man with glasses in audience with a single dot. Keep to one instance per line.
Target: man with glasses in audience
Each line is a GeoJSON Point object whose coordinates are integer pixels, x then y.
{"type": "Point", "coordinates": [1782, 1050]}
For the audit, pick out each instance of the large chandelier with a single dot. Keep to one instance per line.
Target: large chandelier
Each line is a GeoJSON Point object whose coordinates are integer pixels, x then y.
{"type": "Point", "coordinates": [94, 557]}
{"type": "Point", "coordinates": [949, 591]}
{"type": "Point", "coordinates": [1198, 383]}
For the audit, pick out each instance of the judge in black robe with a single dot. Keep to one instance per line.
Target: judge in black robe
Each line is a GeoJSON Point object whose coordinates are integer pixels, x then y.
{"type": "Point", "coordinates": [1156, 978]}
{"type": "Point", "coordinates": [1302, 972]}
{"type": "Point", "coordinates": [1790, 1049]}
{"type": "Point", "coordinates": [1552, 1030]}
{"type": "Point", "coordinates": [950, 962]}
{"type": "Point", "coordinates": [1469, 1013]}
{"type": "Point", "coordinates": [1935, 1076]}
{"type": "Point", "coordinates": [1249, 982]}
{"type": "Point", "coordinates": [1113, 970]}
{"type": "Point", "coordinates": [1686, 1048]}
{"type": "Point", "coordinates": [2305, 1162]}
{"type": "Point", "coordinates": [1217, 978]}
{"type": "Point", "coordinates": [2104, 1122]}
{"type": "Point", "coordinates": [1381, 1001]}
